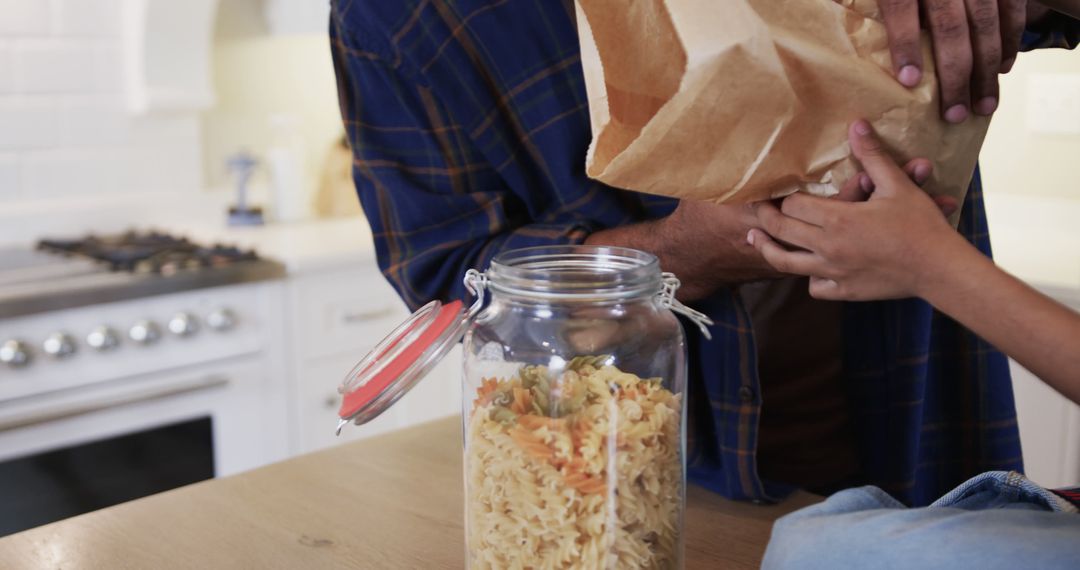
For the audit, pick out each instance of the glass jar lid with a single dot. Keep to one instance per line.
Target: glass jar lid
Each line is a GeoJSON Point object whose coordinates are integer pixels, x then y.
{"type": "Point", "coordinates": [393, 367]}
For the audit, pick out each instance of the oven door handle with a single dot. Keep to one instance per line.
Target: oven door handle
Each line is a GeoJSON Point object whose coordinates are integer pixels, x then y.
{"type": "Point", "coordinates": [67, 410]}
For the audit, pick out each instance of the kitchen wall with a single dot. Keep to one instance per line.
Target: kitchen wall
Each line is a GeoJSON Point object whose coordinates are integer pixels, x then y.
{"type": "Point", "coordinates": [65, 131]}
{"type": "Point", "coordinates": [1017, 158]}
{"type": "Point", "coordinates": [260, 80]}
{"type": "Point", "coordinates": [271, 66]}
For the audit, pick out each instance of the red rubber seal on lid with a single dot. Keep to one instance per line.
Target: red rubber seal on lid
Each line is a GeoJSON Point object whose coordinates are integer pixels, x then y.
{"type": "Point", "coordinates": [400, 360]}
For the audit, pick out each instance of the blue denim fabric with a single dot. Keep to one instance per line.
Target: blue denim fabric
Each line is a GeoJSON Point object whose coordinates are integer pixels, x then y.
{"type": "Point", "coordinates": [996, 520]}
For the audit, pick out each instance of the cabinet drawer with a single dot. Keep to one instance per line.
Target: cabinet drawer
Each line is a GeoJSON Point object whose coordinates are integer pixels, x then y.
{"type": "Point", "coordinates": [343, 312]}
{"type": "Point", "coordinates": [438, 395]}
{"type": "Point", "coordinates": [317, 403]}
{"type": "Point", "coordinates": [1049, 431]}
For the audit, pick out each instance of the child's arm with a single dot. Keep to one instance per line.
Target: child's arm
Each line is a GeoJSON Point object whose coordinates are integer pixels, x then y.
{"type": "Point", "coordinates": [897, 244]}
{"type": "Point", "coordinates": [1036, 331]}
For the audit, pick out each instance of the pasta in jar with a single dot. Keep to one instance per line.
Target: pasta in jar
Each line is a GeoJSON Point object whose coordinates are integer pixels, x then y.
{"type": "Point", "coordinates": [572, 460]}
{"type": "Point", "coordinates": [580, 469]}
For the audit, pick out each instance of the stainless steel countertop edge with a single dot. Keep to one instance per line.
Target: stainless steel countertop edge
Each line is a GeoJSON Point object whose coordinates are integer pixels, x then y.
{"type": "Point", "coordinates": [126, 286]}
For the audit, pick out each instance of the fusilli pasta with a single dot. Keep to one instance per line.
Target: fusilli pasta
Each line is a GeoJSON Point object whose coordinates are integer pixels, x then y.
{"type": "Point", "coordinates": [577, 470]}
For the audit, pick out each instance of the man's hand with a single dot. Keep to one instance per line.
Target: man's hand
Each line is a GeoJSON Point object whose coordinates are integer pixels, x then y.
{"type": "Point", "coordinates": [702, 243]}
{"type": "Point", "coordinates": [884, 248]}
{"type": "Point", "coordinates": [708, 243]}
{"type": "Point", "coordinates": [974, 41]}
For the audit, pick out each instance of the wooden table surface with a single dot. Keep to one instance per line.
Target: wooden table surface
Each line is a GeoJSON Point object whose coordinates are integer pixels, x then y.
{"type": "Point", "coordinates": [390, 502]}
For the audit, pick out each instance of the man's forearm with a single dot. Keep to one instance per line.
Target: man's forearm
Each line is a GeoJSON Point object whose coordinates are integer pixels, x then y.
{"type": "Point", "coordinates": [703, 244]}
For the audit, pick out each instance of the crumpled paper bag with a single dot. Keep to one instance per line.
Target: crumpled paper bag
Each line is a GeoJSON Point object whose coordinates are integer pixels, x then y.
{"type": "Point", "coordinates": [736, 101]}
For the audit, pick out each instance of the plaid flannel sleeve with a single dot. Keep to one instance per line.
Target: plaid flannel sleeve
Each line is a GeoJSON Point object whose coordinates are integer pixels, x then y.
{"type": "Point", "coordinates": [1055, 31]}
{"type": "Point", "coordinates": [436, 207]}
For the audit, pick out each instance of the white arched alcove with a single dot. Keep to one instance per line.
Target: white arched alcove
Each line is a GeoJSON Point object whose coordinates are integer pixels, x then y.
{"type": "Point", "coordinates": [167, 50]}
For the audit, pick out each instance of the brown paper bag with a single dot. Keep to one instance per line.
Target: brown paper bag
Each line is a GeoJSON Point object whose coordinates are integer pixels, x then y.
{"type": "Point", "coordinates": [735, 101]}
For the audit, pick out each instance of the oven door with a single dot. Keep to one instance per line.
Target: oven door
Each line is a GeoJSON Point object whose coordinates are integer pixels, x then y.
{"type": "Point", "coordinates": [69, 453]}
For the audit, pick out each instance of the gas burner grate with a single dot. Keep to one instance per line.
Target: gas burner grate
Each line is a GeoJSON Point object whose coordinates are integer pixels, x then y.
{"type": "Point", "coordinates": [148, 252]}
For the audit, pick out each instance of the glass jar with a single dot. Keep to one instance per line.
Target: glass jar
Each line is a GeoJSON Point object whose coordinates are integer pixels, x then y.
{"type": "Point", "coordinates": [574, 407]}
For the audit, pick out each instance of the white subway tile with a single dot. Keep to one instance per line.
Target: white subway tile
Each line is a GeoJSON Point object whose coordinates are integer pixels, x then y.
{"type": "Point", "coordinates": [108, 66]}
{"type": "Point", "coordinates": [175, 129]}
{"type": "Point", "coordinates": [164, 167]}
{"type": "Point", "coordinates": [105, 120]}
{"type": "Point", "coordinates": [157, 168]}
{"type": "Point", "coordinates": [9, 176]}
{"type": "Point", "coordinates": [27, 124]}
{"type": "Point", "coordinates": [44, 66]}
{"type": "Point", "coordinates": [7, 68]}
{"type": "Point", "coordinates": [25, 17]}
{"type": "Point", "coordinates": [94, 122]}
{"type": "Point", "coordinates": [55, 173]}
{"type": "Point", "coordinates": [87, 17]}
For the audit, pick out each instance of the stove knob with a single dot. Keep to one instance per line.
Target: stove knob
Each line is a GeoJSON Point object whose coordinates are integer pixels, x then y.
{"type": "Point", "coordinates": [221, 320]}
{"type": "Point", "coordinates": [15, 354]}
{"type": "Point", "coordinates": [103, 338]}
{"type": "Point", "coordinates": [183, 324]}
{"type": "Point", "coordinates": [145, 332]}
{"type": "Point", "coordinates": [59, 345]}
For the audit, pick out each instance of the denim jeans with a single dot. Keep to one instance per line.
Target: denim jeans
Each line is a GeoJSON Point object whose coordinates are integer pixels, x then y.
{"type": "Point", "coordinates": [996, 520]}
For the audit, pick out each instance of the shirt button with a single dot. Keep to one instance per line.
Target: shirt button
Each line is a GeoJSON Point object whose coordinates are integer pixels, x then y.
{"type": "Point", "coordinates": [746, 394]}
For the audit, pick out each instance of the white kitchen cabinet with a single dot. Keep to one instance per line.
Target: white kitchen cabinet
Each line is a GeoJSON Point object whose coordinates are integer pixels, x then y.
{"type": "Point", "coordinates": [1049, 423]}
{"type": "Point", "coordinates": [336, 318]}
{"type": "Point", "coordinates": [1049, 431]}
{"type": "Point", "coordinates": [343, 311]}
{"type": "Point", "coordinates": [436, 396]}
{"type": "Point", "coordinates": [317, 405]}
{"type": "Point", "coordinates": [167, 52]}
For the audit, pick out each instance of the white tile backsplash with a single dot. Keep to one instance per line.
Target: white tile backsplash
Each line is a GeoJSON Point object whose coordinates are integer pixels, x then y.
{"type": "Point", "coordinates": [7, 68]}
{"type": "Point", "coordinates": [87, 17]}
{"type": "Point", "coordinates": [59, 173]}
{"type": "Point", "coordinates": [9, 177]}
{"type": "Point", "coordinates": [91, 121]}
{"type": "Point", "coordinates": [25, 17]}
{"type": "Point", "coordinates": [66, 131]}
{"type": "Point", "coordinates": [109, 67]}
{"type": "Point", "coordinates": [104, 120]}
{"type": "Point", "coordinates": [164, 167]}
{"type": "Point", "coordinates": [27, 124]}
{"type": "Point", "coordinates": [51, 66]}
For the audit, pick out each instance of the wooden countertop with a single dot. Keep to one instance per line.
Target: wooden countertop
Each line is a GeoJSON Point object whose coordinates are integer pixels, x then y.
{"type": "Point", "coordinates": [389, 502]}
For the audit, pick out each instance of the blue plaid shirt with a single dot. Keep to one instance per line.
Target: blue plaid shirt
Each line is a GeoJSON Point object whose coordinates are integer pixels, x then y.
{"type": "Point", "coordinates": [469, 124]}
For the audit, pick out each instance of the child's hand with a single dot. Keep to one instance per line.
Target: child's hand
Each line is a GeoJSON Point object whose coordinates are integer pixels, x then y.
{"type": "Point", "coordinates": [881, 248]}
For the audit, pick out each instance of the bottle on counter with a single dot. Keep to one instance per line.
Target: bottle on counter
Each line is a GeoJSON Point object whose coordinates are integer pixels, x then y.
{"type": "Point", "coordinates": [286, 163]}
{"type": "Point", "coordinates": [242, 166]}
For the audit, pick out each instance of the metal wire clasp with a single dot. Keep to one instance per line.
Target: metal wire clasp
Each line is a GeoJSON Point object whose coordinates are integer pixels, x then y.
{"type": "Point", "coordinates": [476, 282]}
{"type": "Point", "coordinates": [667, 299]}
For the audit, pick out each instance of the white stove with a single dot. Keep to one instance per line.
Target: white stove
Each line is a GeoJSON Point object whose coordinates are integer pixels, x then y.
{"type": "Point", "coordinates": [166, 354]}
